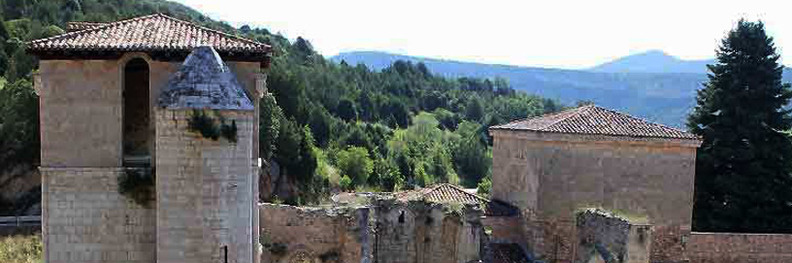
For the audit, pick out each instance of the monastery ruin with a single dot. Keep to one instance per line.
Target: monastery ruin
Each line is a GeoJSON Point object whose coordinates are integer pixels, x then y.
{"type": "Point", "coordinates": [149, 153]}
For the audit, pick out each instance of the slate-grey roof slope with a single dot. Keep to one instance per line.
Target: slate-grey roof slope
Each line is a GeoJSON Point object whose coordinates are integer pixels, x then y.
{"type": "Point", "coordinates": [204, 82]}
{"type": "Point", "coordinates": [595, 120]}
{"type": "Point", "coordinates": [155, 32]}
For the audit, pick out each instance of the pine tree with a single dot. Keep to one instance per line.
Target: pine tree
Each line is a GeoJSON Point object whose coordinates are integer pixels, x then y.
{"type": "Point", "coordinates": [743, 181]}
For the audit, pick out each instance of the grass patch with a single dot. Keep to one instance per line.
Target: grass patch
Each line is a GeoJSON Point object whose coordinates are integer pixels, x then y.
{"type": "Point", "coordinates": [21, 249]}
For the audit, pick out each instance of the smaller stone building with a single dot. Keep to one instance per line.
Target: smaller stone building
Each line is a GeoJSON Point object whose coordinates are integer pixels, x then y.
{"type": "Point", "coordinates": [552, 166]}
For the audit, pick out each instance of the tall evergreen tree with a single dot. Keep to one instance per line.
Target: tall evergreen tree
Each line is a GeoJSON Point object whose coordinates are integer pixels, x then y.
{"type": "Point", "coordinates": [743, 172]}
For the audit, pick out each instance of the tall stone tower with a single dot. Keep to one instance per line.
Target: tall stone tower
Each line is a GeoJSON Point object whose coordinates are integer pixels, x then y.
{"type": "Point", "coordinates": [204, 164]}
{"type": "Point", "coordinates": [116, 102]}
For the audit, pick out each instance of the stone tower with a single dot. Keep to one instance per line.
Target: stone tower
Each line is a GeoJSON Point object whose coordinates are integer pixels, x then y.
{"type": "Point", "coordinates": [205, 186]}
{"type": "Point", "coordinates": [116, 100]}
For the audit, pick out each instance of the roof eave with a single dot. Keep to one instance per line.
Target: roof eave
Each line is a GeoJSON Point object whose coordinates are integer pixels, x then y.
{"type": "Point", "coordinates": [592, 137]}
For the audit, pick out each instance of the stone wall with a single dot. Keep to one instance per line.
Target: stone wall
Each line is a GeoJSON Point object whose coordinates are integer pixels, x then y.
{"type": "Point", "coordinates": [85, 219]}
{"type": "Point", "coordinates": [505, 229]}
{"type": "Point", "coordinates": [548, 176]}
{"type": "Point", "coordinates": [385, 232]}
{"type": "Point", "coordinates": [328, 235]}
{"type": "Point", "coordinates": [426, 233]}
{"type": "Point", "coordinates": [739, 248]}
{"type": "Point", "coordinates": [205, 191]}
{"type": "Point", "coordinates": [605, 237]}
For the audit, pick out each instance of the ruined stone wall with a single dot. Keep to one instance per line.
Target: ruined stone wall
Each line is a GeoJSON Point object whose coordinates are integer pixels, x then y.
{"type": "Point", "coordinates": [328, 235]}
{"type": "Point", "coordinates": [204, 191]}
{"type": "Point", "coordinates": [505, 229]}
{"type": "Point", "coordinates": [85, 219]}
{"type": "Point", "coordinates": [739, 248]}
{"type": "Point", "coordinates": [605, 237]}
{"type": "Point", "coordinates": [385, 232]}
{"type": "Point", "coordinates": [549, 176]}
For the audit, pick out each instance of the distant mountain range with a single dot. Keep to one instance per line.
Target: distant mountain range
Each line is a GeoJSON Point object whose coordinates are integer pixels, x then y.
{"type": "Point", "coordinates": [652, 85]}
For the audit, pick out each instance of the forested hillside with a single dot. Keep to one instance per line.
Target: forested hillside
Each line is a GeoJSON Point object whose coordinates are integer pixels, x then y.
{"type": "Point", "coordinates": [327, 125]}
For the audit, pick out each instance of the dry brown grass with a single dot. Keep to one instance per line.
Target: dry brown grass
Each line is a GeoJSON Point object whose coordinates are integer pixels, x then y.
{"type": "Point", "coordinates": [21, 249]}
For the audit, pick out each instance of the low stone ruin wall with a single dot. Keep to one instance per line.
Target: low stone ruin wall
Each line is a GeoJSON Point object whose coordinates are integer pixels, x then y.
{"type": "Point", "coordinates": [291, 233]}
{"type": "Point", "coordinates": [384, 232]}
{"type": "Point", "coordinates": [739, 248]}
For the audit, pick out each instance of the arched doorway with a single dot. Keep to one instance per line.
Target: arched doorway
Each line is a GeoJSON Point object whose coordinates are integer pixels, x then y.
{"type": "Point", "coordinates": [136, 133]}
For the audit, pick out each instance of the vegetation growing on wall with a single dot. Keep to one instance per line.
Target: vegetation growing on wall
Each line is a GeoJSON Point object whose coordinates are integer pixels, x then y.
{"type": "Point", "coordinates": [138, 184]}
{"type": "Point", "coordinates": [212, 125]}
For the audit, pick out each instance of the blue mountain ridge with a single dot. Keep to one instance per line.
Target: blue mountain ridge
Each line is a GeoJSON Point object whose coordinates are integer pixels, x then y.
{"type": "Point", "coordinates": [651, 85]}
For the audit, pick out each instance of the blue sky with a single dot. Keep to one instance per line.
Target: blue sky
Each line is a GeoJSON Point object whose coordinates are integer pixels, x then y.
{"type": "Point", "coordinates": [563, 34]}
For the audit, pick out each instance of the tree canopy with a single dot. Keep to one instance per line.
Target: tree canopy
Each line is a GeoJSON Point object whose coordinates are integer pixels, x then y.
{"type": "Point", "coordinates": [743, 178]}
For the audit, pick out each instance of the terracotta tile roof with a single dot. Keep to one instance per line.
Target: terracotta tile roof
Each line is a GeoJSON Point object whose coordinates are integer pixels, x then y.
{"type": "Point", "coordinates": [77, 26]}
{"type": "Point", "coordinates": [442, 193]}
{"type": "Point", "coordinates": [595, 120]}
{"type": "Point", "coordinates": [150, 33]}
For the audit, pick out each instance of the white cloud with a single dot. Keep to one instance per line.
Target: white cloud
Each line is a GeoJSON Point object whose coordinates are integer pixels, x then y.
{"type": "Point", "coordinates": [567, 34]}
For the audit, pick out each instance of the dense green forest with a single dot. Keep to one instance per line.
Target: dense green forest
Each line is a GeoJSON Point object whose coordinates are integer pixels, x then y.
{"type": "Point", "coordinates": [327, 125]}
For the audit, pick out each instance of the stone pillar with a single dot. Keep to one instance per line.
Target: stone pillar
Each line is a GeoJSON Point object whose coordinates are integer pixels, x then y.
{"type": "Point", "coordinates": [261, 89]}
{"type": "Point", "coordinates": [204, 191]}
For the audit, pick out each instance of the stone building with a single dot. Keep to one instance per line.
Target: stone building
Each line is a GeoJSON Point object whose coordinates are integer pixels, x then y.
{"type": "Point", "coordinates": [150, 97]}
{"type": "Point", "coordinates": [552, 166]}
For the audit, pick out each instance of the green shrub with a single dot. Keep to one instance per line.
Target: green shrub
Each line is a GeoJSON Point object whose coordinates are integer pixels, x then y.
{"type": "Point", "coordinates": [210, 127]}
{"type": "Point", "coordinates": [138, 184]}
{"type": "Point", "coordinates": [345, 183]}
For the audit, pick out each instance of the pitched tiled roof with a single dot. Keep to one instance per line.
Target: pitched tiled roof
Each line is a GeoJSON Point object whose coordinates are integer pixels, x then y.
{"type": "Point", "coordinates": [443, 193]}
{"type": "Point", "coordinates": [449, 193]}
{"type": "Point", "coordinates": [150, 33]}
{"type": "Point", "coordinates": [594, 120]}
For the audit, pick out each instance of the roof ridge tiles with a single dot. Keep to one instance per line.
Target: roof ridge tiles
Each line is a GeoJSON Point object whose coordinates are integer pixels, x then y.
{"type": "Point", "coordinates": [595, 120]}
{"type": "Point", "coordinates": [150, 33]}
{"type": "Point", "coordinates": [105, 25]}
{"type": "Point", "coordinates": [574, 112]}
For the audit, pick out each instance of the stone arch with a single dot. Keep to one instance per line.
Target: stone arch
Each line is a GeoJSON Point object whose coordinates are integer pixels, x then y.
{"type": "Point", "coordinates": [136, 110]}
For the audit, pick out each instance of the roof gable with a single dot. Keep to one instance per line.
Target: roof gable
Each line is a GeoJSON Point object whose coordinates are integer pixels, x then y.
{"type": "Point", "coordinates": [152, 33]}
{"type": "Point", "coordinates": [204, 82]}
{"type": "Point", "coordinates": [594, 120]}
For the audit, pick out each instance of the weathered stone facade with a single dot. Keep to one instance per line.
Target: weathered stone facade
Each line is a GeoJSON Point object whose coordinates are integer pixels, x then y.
{"type": "Point", "coordinates": [605, 237]}
{"type": "Point", "coordinates": [85, 218]}
{"type": "Point", "coordinates": [204, 192]}
{"type": "Point", "coordinates": [591, 157]}
{"type": "Point", "coordinates": [341, 234]}
{"type": "Point", "coordinates": [386, 231]}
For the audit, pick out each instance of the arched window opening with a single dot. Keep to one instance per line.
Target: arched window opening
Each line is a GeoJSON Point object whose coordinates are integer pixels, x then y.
{"type": "Point", "coordinates": [136, 134]}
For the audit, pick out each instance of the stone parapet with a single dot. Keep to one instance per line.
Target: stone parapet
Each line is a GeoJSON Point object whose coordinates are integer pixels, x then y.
{"type": "Point", "coordinates": [739, 248]}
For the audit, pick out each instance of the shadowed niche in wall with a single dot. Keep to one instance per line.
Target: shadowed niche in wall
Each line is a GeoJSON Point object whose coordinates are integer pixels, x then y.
{"type": "Point", "coordinates": [136, 113]}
